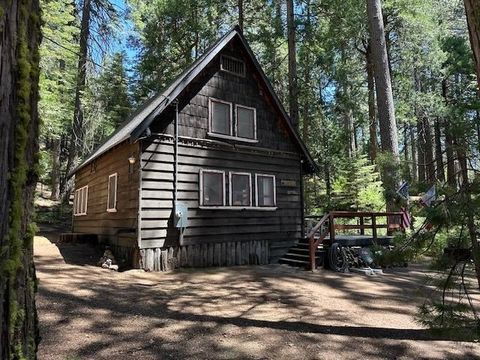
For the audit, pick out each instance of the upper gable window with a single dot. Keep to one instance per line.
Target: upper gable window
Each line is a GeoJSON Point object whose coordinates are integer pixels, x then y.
{"type": "Point", "coordinates": [246, 122]}
{"type": "Point", "coordinates": [220, 117]}
{"type": "Point", "coordinates": [232, 65]}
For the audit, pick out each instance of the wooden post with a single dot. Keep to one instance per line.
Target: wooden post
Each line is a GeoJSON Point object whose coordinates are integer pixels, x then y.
{"type": "Point", "coordinates": [331, 224]}
{"type": "Point", "coordinates": [313, 251]}
{"type": "Point", "coordinates": [362, 224]}
{"type": "Point", "coordinates": [374, 227]}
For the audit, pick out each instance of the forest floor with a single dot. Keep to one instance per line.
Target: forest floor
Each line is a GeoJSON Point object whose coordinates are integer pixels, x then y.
{"type": "Point", "coordinates": [257, 312]}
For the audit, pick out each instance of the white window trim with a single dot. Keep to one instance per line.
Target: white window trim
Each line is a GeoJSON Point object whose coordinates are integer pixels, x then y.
{"type": "Point", "coordinates": [274, 189]}
{"type": "Point", "coordinates": [254, 122]}
{"type": "Point", "coordinates": [238, 208]}
{"type": "Point", "coordinates": [201, 187]}
{"type": "Point", "coordinates": [78, 201]}
{"type": "Point", "coordinates": [230, 188]}
{"type": "Point", "coordinates": [210, 110]}
{"type": "Point", "coordinates": [228, 137]}
{"type": "Point", "coordinates": [231, 72]}
{"type": "Point", "coordinates": [114, 209]}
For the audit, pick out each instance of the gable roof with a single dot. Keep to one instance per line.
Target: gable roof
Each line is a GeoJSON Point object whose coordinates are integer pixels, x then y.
{"type": "Point", "coordinates": [141, 119]}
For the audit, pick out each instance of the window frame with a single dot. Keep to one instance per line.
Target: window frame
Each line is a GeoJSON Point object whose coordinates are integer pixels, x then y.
{"type": "Point", "coordinates": [80, 200]}
{"type": "Point", "coordinates": [201, 199]}
{"type": "Point", "coordinates": [114, 209]}
{"type": "Point", "coordinates": [274, 191]}
{"type": "Point", "coordinates": [254, 121]}
{"type": "Point", "coordinates": [210, 116]}
{"type": "Point", "coordinates": [244, 74]}
{"type": "Point", "coordinates": [230, 188]}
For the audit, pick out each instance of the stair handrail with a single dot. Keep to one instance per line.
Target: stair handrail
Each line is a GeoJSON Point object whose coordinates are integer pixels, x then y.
{"type": "Point", "coordinates": [313, 243]}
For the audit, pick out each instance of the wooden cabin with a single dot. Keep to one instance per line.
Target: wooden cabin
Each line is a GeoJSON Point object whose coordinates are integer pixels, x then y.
{"type": "Point", "coordinates": [206, 173]}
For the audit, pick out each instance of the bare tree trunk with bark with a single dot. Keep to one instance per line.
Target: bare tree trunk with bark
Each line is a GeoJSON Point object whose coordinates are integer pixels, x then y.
{"type": "Point", "coordinates": [472, 11]}
{"type": "Point", "coordinates": [421, 144]}
{"type": "Point", "coordinates": [19, 69]}
{"type": "Point", "coordinates": [292, 64]}
{"type": "Point", "coordinates": [372, 118]}
{"type": "Point", "coordinates": [413, 146]}
{"type": "Point", "coordinates": [439, 151]}
{"type": "Point", "coordinates": [429, 159]}
{"type": "Point", "coordinates": [386, 111]}
{"type": "Point", "coordinates": [55, 174]}
{"type": "Point", "coordinates": [77, 136]}
{"type": "Point", "coordinates": [240, 14]}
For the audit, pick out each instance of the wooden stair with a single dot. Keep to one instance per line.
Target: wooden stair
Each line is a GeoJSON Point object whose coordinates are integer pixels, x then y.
{"type": "Point", "coordinates": [298, 255]}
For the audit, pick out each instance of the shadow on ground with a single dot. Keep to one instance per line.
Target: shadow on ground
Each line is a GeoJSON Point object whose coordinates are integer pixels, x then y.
{"type": "Point", "coordinates": [263, 312]}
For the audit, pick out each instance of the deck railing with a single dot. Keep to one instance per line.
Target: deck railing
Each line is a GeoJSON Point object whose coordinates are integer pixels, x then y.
{"type": "Point", "coordinates": [327, 226]}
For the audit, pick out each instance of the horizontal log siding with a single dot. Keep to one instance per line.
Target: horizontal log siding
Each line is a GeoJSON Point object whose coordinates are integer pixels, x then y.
{"type": "Point", "coordinates": [281, 228]}
{"type": "Point", "coordinates": [98, 220]}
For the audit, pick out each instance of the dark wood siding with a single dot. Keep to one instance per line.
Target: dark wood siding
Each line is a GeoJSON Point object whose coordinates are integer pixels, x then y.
{"type": "Point", "coordinates": [281, 227]}
{"type": "Point", "coordinates": [95, 175]}
{"type": "Point", "coordinates": [247, 91]}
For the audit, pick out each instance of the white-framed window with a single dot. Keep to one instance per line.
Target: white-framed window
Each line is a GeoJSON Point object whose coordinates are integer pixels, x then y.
{"type": "Point", "coordinates": [220, 117]}
{"type": "Point", "coordinates": [212, 187]}
{"type": "Point", "coordinates": [246, 124]}
{"type": "Point", "coordinates": [80, 201]}
{"type": "Point", "coordinates": [112, 192]}
{"type": "Point", "coordinates": [266, 192]}
{"type": "Point", "coordinates": [240, 190]}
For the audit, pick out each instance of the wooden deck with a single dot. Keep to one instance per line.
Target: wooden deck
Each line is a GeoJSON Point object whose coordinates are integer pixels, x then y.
{"type": "Point", "coordinates": [328, 231]}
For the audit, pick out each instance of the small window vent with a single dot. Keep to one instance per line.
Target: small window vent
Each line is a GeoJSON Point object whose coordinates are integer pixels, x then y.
{"type": "Point", "coordinates": [232, 65]}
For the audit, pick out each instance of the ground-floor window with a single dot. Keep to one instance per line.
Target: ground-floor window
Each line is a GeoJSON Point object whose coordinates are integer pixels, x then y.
{"type": "Point", "coordinates": [112, 193]}
{"type": "Point", "coordinates": [212, 188]}
{"type": "Point", "coordinates": [241, 190]}
{"type": "Point", "coordinates": [265, 186]}
{"type": "Point", "coordinates": [80, 201]}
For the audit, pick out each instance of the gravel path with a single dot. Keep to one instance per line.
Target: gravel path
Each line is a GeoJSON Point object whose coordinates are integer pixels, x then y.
{"type": "Point", "coordinates": [261, 312]}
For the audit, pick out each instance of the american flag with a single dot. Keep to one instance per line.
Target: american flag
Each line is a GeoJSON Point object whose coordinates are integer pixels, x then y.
{"type": "Point", "coordinates": [406, 218]}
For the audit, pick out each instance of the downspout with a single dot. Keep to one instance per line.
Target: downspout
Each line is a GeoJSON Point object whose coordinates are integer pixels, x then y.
{"type": "Point", "coordinates": [302, 200]}
{"type": "Point", "coordinates": [178, 209]}
{"type": "Point", "coordinates": [175, 155]}
{"type": "Point", "coordinates": [139, 215]}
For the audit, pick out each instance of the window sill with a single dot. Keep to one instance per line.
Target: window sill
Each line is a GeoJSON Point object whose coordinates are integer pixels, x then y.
{"type": "Point", "coordinates": [111, 210]}
{"type": "Point", "coordinates": [230, 137]}
{"type": "Point", "coordinates": [257, 208]}
{"type": "Point", "coordinates": [79, 214]}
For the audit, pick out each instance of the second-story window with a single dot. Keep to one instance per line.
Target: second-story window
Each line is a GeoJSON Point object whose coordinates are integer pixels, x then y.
{"type": "Point", "coordinates": [246, 122]}
{"type": "Point", "coordinates": [220, 117]}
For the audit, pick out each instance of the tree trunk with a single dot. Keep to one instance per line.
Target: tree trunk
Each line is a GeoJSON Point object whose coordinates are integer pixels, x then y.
{"type": "Point", "coordinates": [55, 174]}
{"type": "Point", "coordinates": [422, 172]}
{"type": "Point", "coordinates": [413, 145]}
{"type": "Point", "coordinates": [20, 29]}
{"type": "Point", "coordinates": [372, 118]}
{"type": "Point", "coordinates": [292, 65]}
{"type": "Point", "coordinates": [307, 78]}
{"type": "Point", "coordinates": [472, 11]}
{"type": "Point", "coordinates": [470, 210]}
{"type": "Point", "coordinates": [77, 136]}
{"type": "Point", "coordinates": [438, 151]}
{"type": "Point", "coordinates": [429, 159]}
{"type": "Point", "coordinates": [240, 14]}
{"type": "Point", "coordinates": [449, 141]}
{"type": "Point", "coordinates": [386, 111]}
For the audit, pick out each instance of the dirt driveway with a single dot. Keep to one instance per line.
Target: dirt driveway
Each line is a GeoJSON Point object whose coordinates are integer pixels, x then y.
{"type": "Point", "coordinates": [263, 312]}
